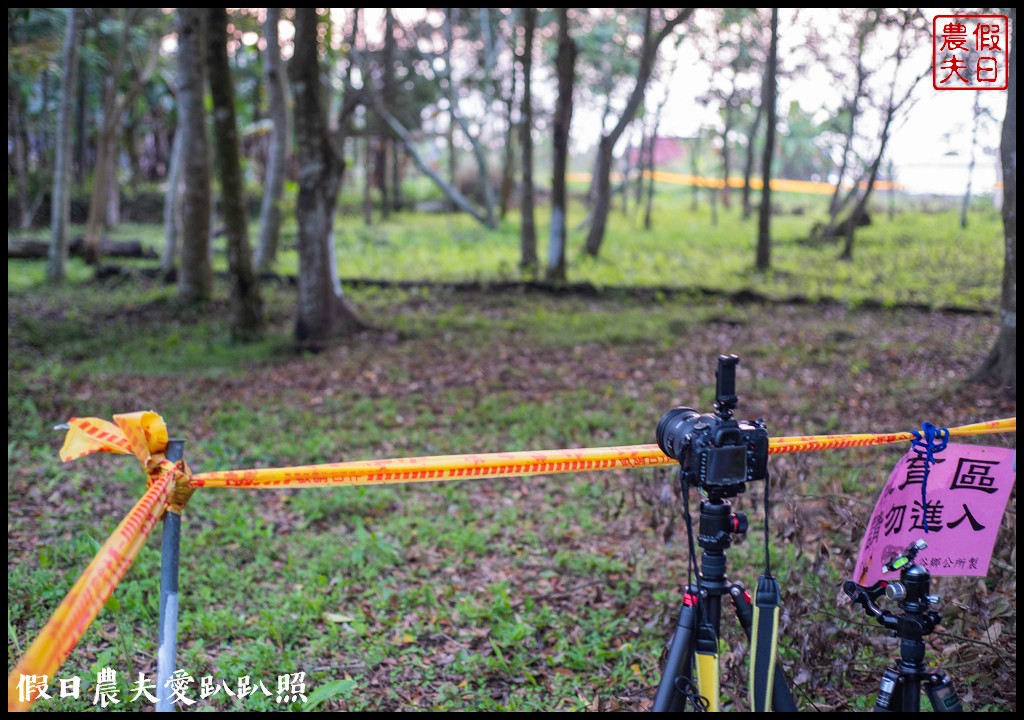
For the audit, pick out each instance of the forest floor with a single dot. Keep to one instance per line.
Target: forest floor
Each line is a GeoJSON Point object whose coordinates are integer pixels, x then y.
{"type": "Point", "coordinates": [545, 593]}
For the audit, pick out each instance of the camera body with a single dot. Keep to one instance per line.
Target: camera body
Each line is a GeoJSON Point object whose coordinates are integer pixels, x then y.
{"type": "Point", "coordinates": [716, 452]}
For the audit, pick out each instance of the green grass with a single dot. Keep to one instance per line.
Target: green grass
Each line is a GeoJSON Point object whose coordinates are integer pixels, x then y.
{"type": "Point", "coordinates": [530, 594]}
{"type": "Point", "coordinates": [918, 257]}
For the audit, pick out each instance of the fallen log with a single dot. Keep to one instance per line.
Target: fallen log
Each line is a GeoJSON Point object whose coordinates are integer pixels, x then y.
{"type": "Point", "coordinates": [28, 249]}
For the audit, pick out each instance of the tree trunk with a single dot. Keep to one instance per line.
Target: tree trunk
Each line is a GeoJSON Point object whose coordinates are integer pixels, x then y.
{"type": "Point", "coordinates": [60, 208]}
{"type": "Point", "coordinates": [764, 220]}
{"type": "Point", "coordinates": [860, 208]}
{"type": "Point", "coordinates": [246, 315]}
{"type": "Point", "coordinates": [647, 158]}
{"type": "Point", "coordinates": [726, 155]}
{"type": "Point", "coordinates": [528, 230]}
{"type": "Point", "coordinates": [834, 206]}
{"type": "Point", "coordinates": [508, 175]}
{"type": "Point", "coordinates": [748, 165]}
{"type": "Point", "coordinates": [131, 145]}
{"type": "Point", "coordinates": [368, 181]}
{"type": "Point", "coordinates": [453, 160]}
{"type": "Point", "coordinates": [273, 191]}
{"type": "Point", "coordinates": [641, 166]}
{"type": "Point", "coordinates": [322, 310]}
{"type": "Point", "coordinates": [891, 172]}
{"type": "Point", "coordinates": [970, 168]}
{"type": "Point", "coordinates": [112, 213]}
{"type": "Point", "coordinates": [601, 198]}
{"type": "Point", "coordinates": [478, 151]}
{"type": "Point", "coordinates": [565, 64]}
{"type": "Point", "coordinates": [1000, 367]}
{"type": "Point", "coordinates": [82, 128]}
{"type": "Point", "coordinates": [98, 198]}
{"type": "Point", "coordinates": [862, 203]}
{"type": "Point", "coordinates": [172, 204]}
{"type": "Point", "coordinates": [16, 122]}
{"type": "Point", "coordinates": [457, 198]}
{"type": "Point", "coordinates": [649, 205]}
{"type": "Point", "coordinates": [397, 201]}
{"type": "Point", "coordinates": [43, 133]}
{"type": "Point", "coordinates": [380, 174]}
{"type": "Point", "coordinates": [714, 206]}
{"type": "Point", "coordinates": [195, 276]}
{"type": "Point", "coordinates": [624, 185]}
{"type": "Point", "coordinates": [695, 170]}
{"type": "Point", "coordinates": [102, 202]}
{"type": "Point", "coordinates": [601, 183]}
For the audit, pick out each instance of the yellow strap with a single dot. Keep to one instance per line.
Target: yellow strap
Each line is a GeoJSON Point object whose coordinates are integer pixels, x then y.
{"type": "Point", "coordinates": [707, 679]}
{"type": "Point", "coordinates": [756, 640]}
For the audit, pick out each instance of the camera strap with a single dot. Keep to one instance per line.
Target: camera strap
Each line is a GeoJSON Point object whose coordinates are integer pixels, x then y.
{"type": "Point", "coordinates": [765, 632]}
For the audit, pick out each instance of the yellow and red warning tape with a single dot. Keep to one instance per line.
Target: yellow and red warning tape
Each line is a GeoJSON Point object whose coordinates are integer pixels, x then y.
{"type": "Point", "coordinates": [144, 434]}
{"type": "Point", "coordinates": [546, 462]}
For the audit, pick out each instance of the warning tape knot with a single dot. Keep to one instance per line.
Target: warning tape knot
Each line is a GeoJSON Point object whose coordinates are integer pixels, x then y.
{"type": "Point", "coordinates": [142, 434]}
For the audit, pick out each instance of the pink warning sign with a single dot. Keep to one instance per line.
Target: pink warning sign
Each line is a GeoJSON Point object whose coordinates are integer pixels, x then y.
{"type": "Point", "coordinates": [968, 488]}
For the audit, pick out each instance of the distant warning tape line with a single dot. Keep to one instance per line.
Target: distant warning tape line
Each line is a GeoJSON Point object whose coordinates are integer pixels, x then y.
{"type": "Point", "coordinates": [549, 462]}
{"type": "Point", "coordinates": [780, 184]}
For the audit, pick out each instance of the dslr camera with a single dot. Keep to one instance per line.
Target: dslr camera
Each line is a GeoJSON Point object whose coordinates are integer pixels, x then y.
{"type": "Point", "coordinates": [716, 452]}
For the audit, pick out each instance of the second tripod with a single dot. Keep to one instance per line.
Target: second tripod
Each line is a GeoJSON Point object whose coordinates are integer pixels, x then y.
{"type": "Point", "coordinates": [900, 689]}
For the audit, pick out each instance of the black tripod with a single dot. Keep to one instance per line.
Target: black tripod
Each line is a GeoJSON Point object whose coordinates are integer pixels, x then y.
{"type": "Point", "coordinates": [696, 637]}
{"type": "Point", "coordinates": [900, 690]}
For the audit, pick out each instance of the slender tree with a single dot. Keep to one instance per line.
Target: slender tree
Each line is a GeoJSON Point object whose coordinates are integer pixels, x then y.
{"type": "Point", "coordinates": [528, 230]}
{"type": "Point", "coordinates": [384, 144]}
{"type": "Point", "coordinates": [892, 110]}
{"type": "Point", "coordinates": [756, 44]}
{"type": "Point", "coordinates": [646, 157]}
{"type": "Point", "coordinates": [508, 171]}
{"type": "Point", "coordinates": [864, 28]}
{"type": "Point", "coordinates": [565, 64]}
{"type": "Point", "coordinates": [970, 167]}
{"type": "Point", "coordinates": [323, 311]}
{"type": "Point", "coordinates": [748, 165]}
{"type": "Point", "coordinates": [172, 204]}
{"type": "Point", "coordinates": [115, 102]}
{"type": "Point", "coordinates": [374, 99]}
{"type": "Point", "coordinates": [195, 276]}
{"type": "Point", "coordinates": [273, 190]}
{"type": "Point", "coordinates": [18, 155]}
{"type": "Point", "coordinates": [764, 237]}
{"type": "Point", "coordinates": [60, 208]}
{"type": "Point", "coordinates": [487, 191]}
{"type": "Point", "coordinates": [246, 315]}
{"type": "Point", "coordinates": [601, 182]}
{"type": "Point", "coordinates": [1000, 367]}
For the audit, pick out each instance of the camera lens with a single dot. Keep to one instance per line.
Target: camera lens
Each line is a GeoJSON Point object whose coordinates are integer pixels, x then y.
{"type": "Point", "coordinates": [673, 429]}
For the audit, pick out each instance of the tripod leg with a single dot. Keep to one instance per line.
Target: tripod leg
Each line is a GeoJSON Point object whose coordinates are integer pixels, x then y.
{"type": "Point", "coordinates": [942, 694]}
{"type": "Point", "coordinates": [782, 698]}
{"type": "Point", "coordinates": [678, 659]}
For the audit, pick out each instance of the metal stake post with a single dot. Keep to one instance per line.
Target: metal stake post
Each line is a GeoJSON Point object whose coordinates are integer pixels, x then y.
{"type": "Point", "coordinates": [170, 552]}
